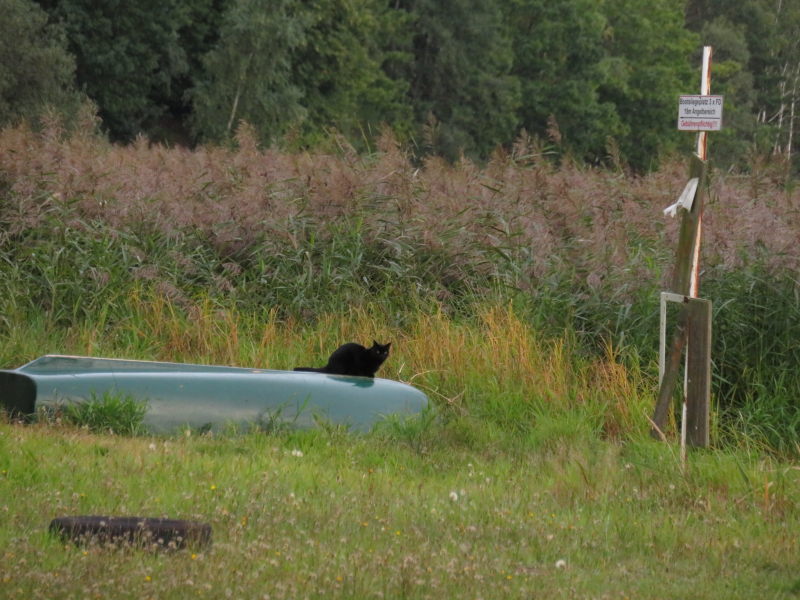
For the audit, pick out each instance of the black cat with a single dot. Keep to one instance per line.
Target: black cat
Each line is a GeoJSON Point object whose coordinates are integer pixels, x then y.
{"type": "Point", "coordinates": [354, 359]}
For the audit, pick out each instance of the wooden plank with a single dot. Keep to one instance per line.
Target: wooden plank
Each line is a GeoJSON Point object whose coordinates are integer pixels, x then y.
{"type": "Point", "coordinates": [698, 370]}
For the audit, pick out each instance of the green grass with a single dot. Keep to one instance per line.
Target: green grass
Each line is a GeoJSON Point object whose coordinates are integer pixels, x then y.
{"type": "Point", "coordinates": [322, 514]}
{"type": "Point", "coordinates": [533, 454]}
{"type": "Point", "coordinates": [107, 412]}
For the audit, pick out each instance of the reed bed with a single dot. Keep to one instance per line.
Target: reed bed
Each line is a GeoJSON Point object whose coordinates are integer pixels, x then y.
{"type": "Point", "coordinates": [175, 252]}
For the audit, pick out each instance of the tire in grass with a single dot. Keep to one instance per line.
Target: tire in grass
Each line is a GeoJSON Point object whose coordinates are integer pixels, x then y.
{"type": "Point", "coordinates": [141, 532]}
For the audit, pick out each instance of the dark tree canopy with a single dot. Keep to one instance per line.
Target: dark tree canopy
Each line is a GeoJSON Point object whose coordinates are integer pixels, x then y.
{"type": "Point", "coordinates": [460, 82]}
{"type": "Point", "coordinates": [36, 69]}
{"type": "Point", "coordinates": [451, 77]}
{"type": "Point", "coordinates": [128, 57]}
{"type": "Point", "coordinates": [559, 60]}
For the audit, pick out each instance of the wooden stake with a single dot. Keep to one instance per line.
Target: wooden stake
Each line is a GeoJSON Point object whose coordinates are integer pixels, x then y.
{"type": "Point", "coordinates": [686, 281]}
{"type": "Point", "coordinates": [702, 154]}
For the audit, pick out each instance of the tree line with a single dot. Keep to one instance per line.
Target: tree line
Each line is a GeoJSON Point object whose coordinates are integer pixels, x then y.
{"type": "Point", "coordinates": [595, 79]}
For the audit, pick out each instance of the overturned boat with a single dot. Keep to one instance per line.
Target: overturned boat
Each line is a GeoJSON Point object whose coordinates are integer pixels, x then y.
{"type": "Point", "coordinates": [181, 395]}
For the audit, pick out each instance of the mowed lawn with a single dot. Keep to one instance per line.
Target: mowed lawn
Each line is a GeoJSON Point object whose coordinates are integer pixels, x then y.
{"type": "Point", "coordinates": [443, 510]}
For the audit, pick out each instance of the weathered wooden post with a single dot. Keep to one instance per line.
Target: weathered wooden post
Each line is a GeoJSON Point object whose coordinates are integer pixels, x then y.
{"type": "Point", "coordinates": [701, 113]}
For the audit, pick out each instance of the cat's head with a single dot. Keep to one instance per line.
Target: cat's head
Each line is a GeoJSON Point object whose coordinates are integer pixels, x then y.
{"type": "Point", "coordinates": [380, 350]}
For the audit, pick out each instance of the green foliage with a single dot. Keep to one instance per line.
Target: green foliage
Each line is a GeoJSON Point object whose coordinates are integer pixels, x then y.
{"type": "Point", "coordinates": [760, 51]}
{"type": "Point", "coordinates": [128, 56]}
{"type": "Point", "coordinates": [79, 270]}
{"type": "Point", "coordinates": [339, 67]}
{"type": "Point", "coordinates": [198, 30]}
{"type": "Point", "coordinates": [36, 70]}
{"type": "Point", "coordinates": [72, 271]}
{"type": "Point", "coordinates": [460, 84]}
{"type": "Point", "coordinates": [733, 80]}
{"type": "Point", "coordinates": [248, 73]}
{"type": "Point", "coordinates": [646, 68]}
{"type": "Point", "coordinates": [558, 58]}
{"type": "Point", "coordinates": [756, 330]}
{"type": "Point", "coordinates": [597, 80]}
{"type": "Point", "coordinates": [110, 412]}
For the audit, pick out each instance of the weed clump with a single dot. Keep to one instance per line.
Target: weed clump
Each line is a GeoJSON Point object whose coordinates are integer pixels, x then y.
{"type": "Point", "coordinates": [120, 414]}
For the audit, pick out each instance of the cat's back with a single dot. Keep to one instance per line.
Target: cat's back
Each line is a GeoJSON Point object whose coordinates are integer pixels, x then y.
{"type": "Point", "coordinates": [350, 348]}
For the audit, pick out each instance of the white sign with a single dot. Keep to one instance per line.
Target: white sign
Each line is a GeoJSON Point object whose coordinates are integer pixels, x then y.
{"type": "Point", "coordinates": [700, 113]}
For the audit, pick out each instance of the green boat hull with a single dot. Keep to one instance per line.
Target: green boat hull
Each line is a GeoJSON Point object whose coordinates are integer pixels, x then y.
{"type": "Point", "coordinates": [185, 395]}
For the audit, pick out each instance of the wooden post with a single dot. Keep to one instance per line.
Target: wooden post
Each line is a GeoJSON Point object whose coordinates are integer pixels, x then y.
{"type": "Point", "coordinates": [680, 284]}
{"type": "Point", "coordinates": [697, 385]}
{"type": "Point", "coordinates": [702, 154]}
{"type": "Point", "coordinates": [685, 263]}
{"type": "Point", "coordinates": [694, 319]}
{"type": "Point", "coordinates": [698, 373]}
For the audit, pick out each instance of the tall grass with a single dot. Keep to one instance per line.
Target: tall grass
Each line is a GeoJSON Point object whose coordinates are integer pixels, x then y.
{"type": "Point", "coordinates": [491, 370]}
{"type": "Point", "coordinates": [517, 271]}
